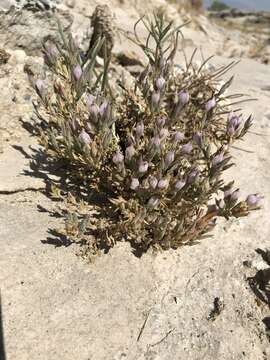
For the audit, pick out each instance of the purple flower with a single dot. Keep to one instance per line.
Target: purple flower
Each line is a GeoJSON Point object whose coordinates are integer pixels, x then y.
{"type": "Point", "coordinates": [169, 158]}
{"type": "Point", "coordinates": [233, 124]}
{"type": "Point", "coordinates": [178, 136]}
{"type": "Point", "coordinates": [231, 130]}
{"type": "Point", "coordinates": [143, 166]}
{"type": "Point", "coordinates": [40, 86]}
{"type": "Point", "coordinates": [192, 176]}
{"type": "Point", "coordinates": [164, 133]}
{"type": "Point", "coordinates": [160, 83]}
{"type": "Point", "coordinates": [217, 159]}
{"type": "Point", "coordinates": [152, 180]}
{"type": "Point", "coordinates": [90, 100]}
{"type": "Point", "coordinates": [93, 110]}
{"type": "Point", "coordinates": [198, 140]}
{"type": "Point", "coordinates": [77, 72]}
{"type": "Point", "coordinates": [118, 158]}
{"type": "Point", "coordinates": [253, 201]}
{"type": "Point", "coordinates": [210, 104]}
{"type": "Point", "coordinates": [134, 183]}
{"type": "Point", "coordinates": [84, 137]}
{"type": "Point", "coordinates": [130, 152]}
{"type": "Point", "coordinates": [187, 148]}
{"type": "Point", "coordinates": [51, 52]}
{"type": "Point", "coordinates": [139, 129]}
{"type": "Point", "coordinates": [103, 107]}
{"type": "Point", "coordinates": [89, 127]}
{"type": "Point", "coordinates": [227, 193]}
{"type": "Point", "coordinates": [156, 141]}
{"type": "Point", "coordinates": [183, 97]}
{"type": "Point", "coordinates": [163, 184]}
{"type": "Point", "coordinates": [234, 120]}
{"type": "Point", "coordinates": [155, 99]}
{"type": "Point", "coordinates": [180, 184]}
{"type": "Point", "coordinates": [235, 195]}
{"type": "Point", "coordinates": [160, 122]}
{"type": "Point", "coordinates": [153, 202]}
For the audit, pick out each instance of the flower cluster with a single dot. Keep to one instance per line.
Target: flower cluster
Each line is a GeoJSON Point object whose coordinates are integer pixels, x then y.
{"type": "Point", "coordinates": [158, 150]}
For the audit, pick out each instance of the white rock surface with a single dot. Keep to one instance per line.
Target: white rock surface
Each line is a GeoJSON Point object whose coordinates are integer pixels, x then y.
{"type": "Point", "coordinates": [157, 307]}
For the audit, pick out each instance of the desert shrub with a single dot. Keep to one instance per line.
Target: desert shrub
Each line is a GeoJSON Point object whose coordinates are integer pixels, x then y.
{"type": "Point", "coordinates": [218, 6]}
{"type": "Point", "coordinates": [155, 150]}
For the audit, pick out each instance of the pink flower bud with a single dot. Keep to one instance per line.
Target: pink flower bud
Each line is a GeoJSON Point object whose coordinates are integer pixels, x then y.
{"type": "Point", "coordinates": [183, 97]}
{"type": "Point", "coordinates": [231, 130]}
{"type": "Point", "coordinates": [187, 148]}
{"type": "Point", "coordinates": [161, 122]}
{"type": "Point", "coordinates": [152, 180]}
{"type": "Point", "coordinates": [118, 158]}
{"type": "Point", "coordinates": [235, 195]}
{"type": "Point", "coordinates": [103, 108]}
{"type": "Point", "coordinates": [139, 130]}
{"type": "Point", "coordinates": [233, 124]}
{"type": "Point", "coordinates": [160, 83]}
{"type": "Point", "coordinates": [93, 111]}
{"type": "Point", "coordinates": [130, 152]}
{"type": "Point", "coordinates": [164, 133]}
{"type": "Point", "coordinates": [169, 158]}
{"type": "Point", "coordinates": [143, 166]}
{"type": "Point", "coordinates": [77, 72]}
{"type": "Point", "coordinates": [51, 52]}
{"type": "Point", "coordinates": [163, 184]}
{"type": "Point", "coordinates": [253, 201]}
{"type": "Point", "coordinates": [217, 159]}
{"type": "Point", "coordinates": [156, 141]}
{"type": "Point", "coordinates": [210, 104]}
{"type": "Point", "coordinates": [134, 183]}
{"type": "Point", "coordinates": [234, 120]}
{"type": "Point", "coordinates": [84, 137]}
{"type": "Point", "coordinates": [40, 86]}
{"type": "Point", "coordinates": [90, 101]}
{"type": "Point", "coordinates": [192, 176]}
{"type": "Point", "coordinates": [155, 99]}
{"type": "Point", "coordinates": [180, 184]}
{"type": "Point", "coordinates": [178, 136]}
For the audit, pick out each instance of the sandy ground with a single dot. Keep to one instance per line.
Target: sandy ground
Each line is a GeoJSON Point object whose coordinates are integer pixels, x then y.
{"type": "Point", "coordinates": [157, 307]}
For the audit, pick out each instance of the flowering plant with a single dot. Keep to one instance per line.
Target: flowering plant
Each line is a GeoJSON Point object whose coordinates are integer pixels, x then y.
{"type": "Point", "coordinates": [157, 151]}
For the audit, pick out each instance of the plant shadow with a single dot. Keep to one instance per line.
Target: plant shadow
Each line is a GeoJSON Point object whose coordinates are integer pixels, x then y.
{"type": "Point", "coordinates": [260, 285]}
{"type": "Point", "coordinates": [61, 175]}
{"type": "Point", "coordinates": [2, 343]}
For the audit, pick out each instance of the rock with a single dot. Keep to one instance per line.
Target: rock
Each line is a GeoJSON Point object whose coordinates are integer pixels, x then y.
{"type": "Point", "coordinates": [17, 57]}
{"type": "Point", "coordinates": [29, 30]}
{"type": "Point", "coordinates": [128, 59]}
{"type": "Point", "coordinates": [70, 3]}
{"type": "Point", "coordinates": [6, 4]}
{"type": "Point", "coordinates": [14, 165]}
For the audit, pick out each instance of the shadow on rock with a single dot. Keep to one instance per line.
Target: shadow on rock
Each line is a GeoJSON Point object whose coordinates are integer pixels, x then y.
{"type": "Point", "coordinates": [2, 344]}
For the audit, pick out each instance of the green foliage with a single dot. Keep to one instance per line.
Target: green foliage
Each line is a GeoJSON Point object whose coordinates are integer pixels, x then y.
{"type": "Point", "coordinates": [218, 6]}
{"type": "Point", "coordinates": [156, 151]}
